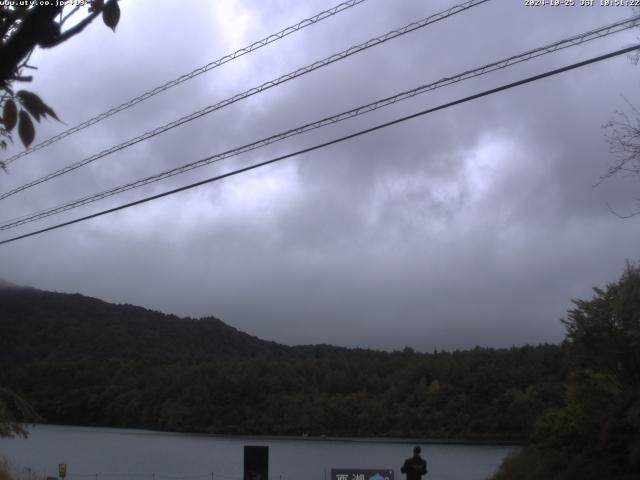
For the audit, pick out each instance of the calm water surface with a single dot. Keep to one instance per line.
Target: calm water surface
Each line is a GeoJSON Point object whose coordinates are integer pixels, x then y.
{"type": "Point", "coordinates": [115, 454]}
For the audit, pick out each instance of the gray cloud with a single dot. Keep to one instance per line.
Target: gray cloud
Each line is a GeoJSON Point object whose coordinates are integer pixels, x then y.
{"type": "Point", "coordinates": [474, 225]}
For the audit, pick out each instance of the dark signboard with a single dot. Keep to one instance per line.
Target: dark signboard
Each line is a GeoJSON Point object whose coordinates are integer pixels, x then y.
{"type": "Point", "coordinates": [360, 474]}
{"type": "Point", "coordinates": [256, 463]}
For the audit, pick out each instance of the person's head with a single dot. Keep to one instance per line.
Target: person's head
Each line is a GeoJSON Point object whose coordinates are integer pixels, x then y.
{"type": "Point", "coordinates": [416, 450]}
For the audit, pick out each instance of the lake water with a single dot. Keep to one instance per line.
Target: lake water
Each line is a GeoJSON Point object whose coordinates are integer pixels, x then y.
{"type": "Point", "coordinates": [115, 454]}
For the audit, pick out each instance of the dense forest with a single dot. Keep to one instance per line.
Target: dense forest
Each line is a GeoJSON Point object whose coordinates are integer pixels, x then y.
{"type": "Point", "coordinates": [82, 361]}
{"type": "Point", "coordinates": [594, 433]}
{"type": "Point", "coordinates": [481, 393]}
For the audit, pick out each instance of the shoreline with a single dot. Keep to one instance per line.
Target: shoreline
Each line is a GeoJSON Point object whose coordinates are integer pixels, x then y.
{"type": "Point", "coordinates": [309, 438]}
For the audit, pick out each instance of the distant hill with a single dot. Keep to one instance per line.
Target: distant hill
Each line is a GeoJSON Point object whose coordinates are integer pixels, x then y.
{"type": "Point", "coordinates": [42, 325]}
{"type": "Point", "coordinates": [82, 361]}
{"type": "Point", "coordinates": [4, 284]}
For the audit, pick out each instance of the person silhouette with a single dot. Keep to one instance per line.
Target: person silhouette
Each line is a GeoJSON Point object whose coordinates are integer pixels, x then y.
{"type": "Point", "coordinates": [415, 467]}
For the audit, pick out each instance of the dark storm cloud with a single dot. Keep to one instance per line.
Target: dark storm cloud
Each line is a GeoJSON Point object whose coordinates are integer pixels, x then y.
{"type": "Point", "coordinates": [474, 225]}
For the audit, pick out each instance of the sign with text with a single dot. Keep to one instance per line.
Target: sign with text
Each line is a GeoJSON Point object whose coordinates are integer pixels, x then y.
{"type": "Point", "coordinates": [360, 474]}
{"type": "Point", "coordinates": [62, 470]}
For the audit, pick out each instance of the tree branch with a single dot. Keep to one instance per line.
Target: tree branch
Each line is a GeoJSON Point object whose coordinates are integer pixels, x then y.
{"type": "Point", "coordinates": [66, 17]}
{"type": "Point", "coordinates": [27, 36]}
{"type": "Point", "coordinates": [7, 22]}
{"type": "Point", "coordinates": [21, 78]}
{"type": "Point", "coordinates": [76, 29]}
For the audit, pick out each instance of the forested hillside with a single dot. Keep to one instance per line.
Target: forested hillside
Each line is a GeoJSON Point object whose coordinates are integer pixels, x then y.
{"type": "Point", "coordinates": [39, 325]}
{"type": "Point", "coordinates": [481, 393]}
{"type": "Point", "coordinates": [86, 362]}
{"type": "Point", "coordinates": [594, 434]}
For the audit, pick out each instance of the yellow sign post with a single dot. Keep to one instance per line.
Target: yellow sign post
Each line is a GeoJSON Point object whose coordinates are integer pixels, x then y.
{"type": "Point", "coordinates": [62, 470]}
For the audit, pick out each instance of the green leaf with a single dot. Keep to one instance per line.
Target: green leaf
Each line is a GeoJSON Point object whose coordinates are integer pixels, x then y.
{"type": "Point", "coordinates": [111, 14]}
{"type": "Point", "coordinates": [9, 115]}
{"type": "Point", "coordinates": [35, 106]}
{"type": "Point", "coordinates": [32, 103]}
{"type": "Point", "coordinates": [25, 129]}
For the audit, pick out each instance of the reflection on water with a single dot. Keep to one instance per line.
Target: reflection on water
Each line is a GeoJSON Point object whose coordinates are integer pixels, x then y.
{"type": "Point", "coordinates": [114, 454]}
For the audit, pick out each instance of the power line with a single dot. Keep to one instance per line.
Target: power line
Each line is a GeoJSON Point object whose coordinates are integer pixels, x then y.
{"type": "Point", "coordinates": [361, 110]}
{"type": "Point", "coordinates": [265, 86]}
{"type": "Point", "coordinates": [332, 142]}
{"type": "Point", "coordinates": [188, 76]}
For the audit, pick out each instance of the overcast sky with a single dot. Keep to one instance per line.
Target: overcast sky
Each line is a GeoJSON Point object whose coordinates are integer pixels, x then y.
{"type": "Point", "coordinates": [474, 225]}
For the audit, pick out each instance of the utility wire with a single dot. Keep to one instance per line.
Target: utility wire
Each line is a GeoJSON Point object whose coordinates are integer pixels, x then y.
{"type": "Point", "coordinates": [361, 110]}
{"type": "Point", "coordinates": [332, 142]}
{"type": "Point", "coordinates": [188, 76]}
{"type": "Point", "coordinates": [265, 86]}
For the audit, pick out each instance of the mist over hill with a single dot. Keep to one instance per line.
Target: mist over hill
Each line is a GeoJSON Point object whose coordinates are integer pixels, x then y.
{"type": "Point", "coordinates": [7, 285]}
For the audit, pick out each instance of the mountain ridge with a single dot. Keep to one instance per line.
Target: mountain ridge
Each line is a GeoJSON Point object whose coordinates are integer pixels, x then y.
{"type": "Point", "coordinates": [44, 325]}
{"type": "Point", "coordinates": [4, 284]}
